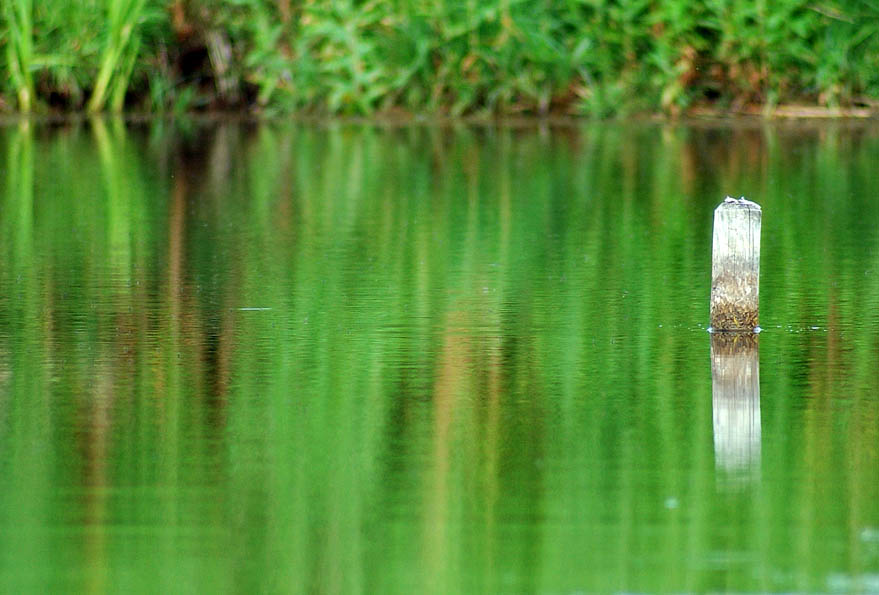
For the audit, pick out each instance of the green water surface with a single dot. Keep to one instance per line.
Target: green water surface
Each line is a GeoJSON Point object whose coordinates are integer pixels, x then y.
{"type": "Point", "coordinates": [340, 358]}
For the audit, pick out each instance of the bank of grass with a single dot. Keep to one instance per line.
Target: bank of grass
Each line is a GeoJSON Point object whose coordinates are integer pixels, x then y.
{"type": "Point", "coordinates": [453, 57]}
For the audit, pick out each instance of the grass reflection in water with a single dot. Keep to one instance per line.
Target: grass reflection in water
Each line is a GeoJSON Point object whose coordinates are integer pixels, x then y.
{"type": "Point", "coordinates": [349, 358]}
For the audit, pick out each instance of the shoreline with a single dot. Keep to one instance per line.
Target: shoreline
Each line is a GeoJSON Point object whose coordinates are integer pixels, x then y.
{"type": "Point", "coordinates": [695, 115]}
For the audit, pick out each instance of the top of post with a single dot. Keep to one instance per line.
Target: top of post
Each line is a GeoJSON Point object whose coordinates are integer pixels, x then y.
{"type": "Point", "coordinates": [739, 202]}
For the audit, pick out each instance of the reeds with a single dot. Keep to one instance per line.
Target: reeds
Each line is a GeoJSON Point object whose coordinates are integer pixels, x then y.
{"type": "Point", "coordinates": [18, 37]}
{"type": "Point", "coordinates": [448, 56]}
{"type": "Point", "coordinates": [119, 53]}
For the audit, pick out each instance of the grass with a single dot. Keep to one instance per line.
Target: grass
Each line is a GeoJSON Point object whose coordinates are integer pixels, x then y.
{"type": "Point", "coordinates": [449, 57]}
{"type": "Point", "coordinates": [18, 34]}
{"type": "Point", "coordinates": [118, 55]}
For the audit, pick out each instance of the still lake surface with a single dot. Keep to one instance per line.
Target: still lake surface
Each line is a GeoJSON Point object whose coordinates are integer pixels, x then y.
{"type": "Point", "coordinates": [344, 358]}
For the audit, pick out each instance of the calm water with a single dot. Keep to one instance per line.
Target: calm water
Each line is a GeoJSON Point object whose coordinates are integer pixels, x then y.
{"type": "Point", "coordinates": [342, 359]}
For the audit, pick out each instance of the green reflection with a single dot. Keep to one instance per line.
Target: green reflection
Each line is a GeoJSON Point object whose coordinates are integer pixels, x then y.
{"type": "Point", "coordinates": [361, 359]}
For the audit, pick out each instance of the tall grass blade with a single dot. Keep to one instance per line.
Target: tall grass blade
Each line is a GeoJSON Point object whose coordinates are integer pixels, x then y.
{"type": "Point", "coordinates": [123, 17]}
{"type": "Point", "coordinates": [19, 50]}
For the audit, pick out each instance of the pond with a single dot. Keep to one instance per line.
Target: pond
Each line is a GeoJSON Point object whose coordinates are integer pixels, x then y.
{"type": "Point", "coordinates": [345, 358]}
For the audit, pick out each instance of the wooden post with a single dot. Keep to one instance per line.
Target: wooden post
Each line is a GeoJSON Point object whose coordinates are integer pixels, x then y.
{"type": "Point", "coordinates": [735, 400]}
{"type": "Point", "coordinates": [735, 266]}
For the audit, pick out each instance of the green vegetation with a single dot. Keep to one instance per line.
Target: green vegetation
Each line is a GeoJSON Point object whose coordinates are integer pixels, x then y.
{"type": "Point", "coordinates": [19, 50]}
{"type": "Point", "coordinates": [594, 57]}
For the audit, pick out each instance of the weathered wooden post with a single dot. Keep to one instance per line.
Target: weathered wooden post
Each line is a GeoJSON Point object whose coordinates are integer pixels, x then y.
{"type": "Point", "coordinates": [735, 400]}
{"type": "Point", "coordinates": [735, 266]}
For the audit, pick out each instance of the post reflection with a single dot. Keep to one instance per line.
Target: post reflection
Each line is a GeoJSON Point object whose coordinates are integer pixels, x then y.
{"type": "Point", "coordinates": [735, 381]}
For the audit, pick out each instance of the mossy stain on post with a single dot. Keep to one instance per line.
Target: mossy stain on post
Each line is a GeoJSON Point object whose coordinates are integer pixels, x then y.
{"type": "Point", "coordinates": [735, 266]}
